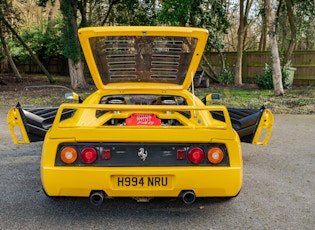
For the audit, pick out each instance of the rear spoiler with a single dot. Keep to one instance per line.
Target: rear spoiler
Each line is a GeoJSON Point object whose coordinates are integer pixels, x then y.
{"type": "Point", "coordinates": [252, 125]}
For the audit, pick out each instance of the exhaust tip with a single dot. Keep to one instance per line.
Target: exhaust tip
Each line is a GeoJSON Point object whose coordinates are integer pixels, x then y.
{"type": "Point", "coordinates": [189, 197]}
{"type": "Point", "coordinates": [97, 197]}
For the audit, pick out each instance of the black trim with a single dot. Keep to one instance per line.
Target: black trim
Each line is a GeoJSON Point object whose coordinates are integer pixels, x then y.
{"type": "Point", "coordinates": [126, 154]}
{"type": "Point", "coordinates": [37, 121]}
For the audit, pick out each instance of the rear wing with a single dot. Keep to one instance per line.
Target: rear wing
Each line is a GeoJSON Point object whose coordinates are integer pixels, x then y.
{"type": "Point", "coordinates": [31, 125]}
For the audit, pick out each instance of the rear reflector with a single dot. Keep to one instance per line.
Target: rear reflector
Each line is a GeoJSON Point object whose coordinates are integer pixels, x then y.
{"type": "Point", "coordinates": [88, 155]}
{"type": "Point", "coordinates": [106, 154]}
{"type": "Point", "coordinates": [181, 154]}
{"type": "Point", "coordinates": [68, 155]}
{"type": "Point", "coordinates": [196, 155]}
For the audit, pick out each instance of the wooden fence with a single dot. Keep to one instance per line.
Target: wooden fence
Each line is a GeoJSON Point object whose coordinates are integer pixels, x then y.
{"type": "Point", "coordinates": [54, 66]}
{"type": "Point", "coordinates": [254, 61]}
{"type": "Point", "coordinates": [253, 64]}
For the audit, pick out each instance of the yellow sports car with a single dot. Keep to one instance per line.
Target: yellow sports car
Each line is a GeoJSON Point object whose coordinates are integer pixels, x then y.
{"type": "Point", "coordinates": [143, 133]}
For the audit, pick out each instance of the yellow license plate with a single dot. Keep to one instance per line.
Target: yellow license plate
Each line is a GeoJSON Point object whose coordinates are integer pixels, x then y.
{"type": "Point", "coordinates": [132, 182]}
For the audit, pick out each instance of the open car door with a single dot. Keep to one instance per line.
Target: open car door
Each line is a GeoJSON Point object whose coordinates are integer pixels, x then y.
{"type": "Point", "coordinates": [31, 124]}
{"type": "Point", "coordinates": [252, 125]}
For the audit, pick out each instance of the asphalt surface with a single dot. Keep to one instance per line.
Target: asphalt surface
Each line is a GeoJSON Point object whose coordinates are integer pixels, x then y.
{"type": "Point", "coordinates": [278, 191]}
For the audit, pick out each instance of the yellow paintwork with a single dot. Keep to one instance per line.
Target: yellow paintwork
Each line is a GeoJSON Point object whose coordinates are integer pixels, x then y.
{"type": "Point", "coordinates": [15, 122]}
{"type": "Point", "coordinates": [84, 126]}
{"type": "Point", "coordinates": [265, 124]}
{"type": "Point", "coordinates": [204, 181]}
{"type": "Point", "coordinates": [86, 33]}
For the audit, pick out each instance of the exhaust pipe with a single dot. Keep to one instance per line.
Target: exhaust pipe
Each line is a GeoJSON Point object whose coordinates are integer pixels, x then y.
{"type": "Point", "coordinates": [97, 197]}
{"type": "Point", "coordinates": [189, 197]}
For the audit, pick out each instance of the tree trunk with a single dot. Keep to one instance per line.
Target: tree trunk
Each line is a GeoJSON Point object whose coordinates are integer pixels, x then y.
{"type": "Point", "coordinates": [240, 46]}
{"type": "Point", "coordinates": [265, 26]}
{"type": "Point", "coordinates": [72, 44]}
{"type": "Point", "coordinates": [239, 63]}
{"type": "Point", "coordinates": [276, 68]}
{"type": "Point", "coordinates": [209, 66]}
{"type": "Point", "coordinates": [263, 36]}
{"type": "Point", "coordinates": [292, 43]}
{"type": "Point", "coordinates": [223, 66]}
{"type": "Point", "coordinates": [7, 53]}
{"type": "Point", "coordinates": [241, 39]}
{"type": "Point", "coordinates": [76, 74]}
{"type": "Point", "coordinates": [35, 58]}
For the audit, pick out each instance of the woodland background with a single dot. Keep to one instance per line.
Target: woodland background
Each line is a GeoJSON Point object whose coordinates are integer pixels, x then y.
{"type": "Point", "coordinates": [245, 36]}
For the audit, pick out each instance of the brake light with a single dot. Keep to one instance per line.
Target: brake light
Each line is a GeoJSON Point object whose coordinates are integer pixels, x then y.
{"type": "Point", "coordinates": [68, 155]}
{"type": "Point", "coordinates": [196, 155]}
{"type": "Point", "coordinates": [215, 155]}
{"type": "Point", "coordinates": [88, 155]}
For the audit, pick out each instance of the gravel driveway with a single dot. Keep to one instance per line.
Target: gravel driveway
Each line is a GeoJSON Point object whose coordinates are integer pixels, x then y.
{"type": "Point", "coordinates": [278, 191]}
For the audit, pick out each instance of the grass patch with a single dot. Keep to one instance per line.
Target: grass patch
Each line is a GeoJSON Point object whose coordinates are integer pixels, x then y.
{"type": "Point", "coordinates": [297, 100]}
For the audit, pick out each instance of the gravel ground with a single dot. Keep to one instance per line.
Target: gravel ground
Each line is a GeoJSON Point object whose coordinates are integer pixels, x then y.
{"type": "Point", "coordinates": [278, 191]}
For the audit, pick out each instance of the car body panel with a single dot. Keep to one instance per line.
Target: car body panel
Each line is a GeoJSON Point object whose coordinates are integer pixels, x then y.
{"type": "Point", "coordinates": [77, 181]}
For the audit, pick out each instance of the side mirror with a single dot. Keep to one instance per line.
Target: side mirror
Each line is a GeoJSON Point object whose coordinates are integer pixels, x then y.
{"type": "Point", "coordinates": [73, 96]}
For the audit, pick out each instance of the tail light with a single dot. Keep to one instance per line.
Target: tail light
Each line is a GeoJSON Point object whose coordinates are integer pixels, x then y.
{"type": "Point", "coordinates": [215, 155]}
{"type": "Point", "coordinates": [68, 155]}
{"type": "Point", "coordinates": [110, 154]}
{"type": "Point", "coordinates": [88, 155]}
{"type": "Point", "coordinates": [196, 155]}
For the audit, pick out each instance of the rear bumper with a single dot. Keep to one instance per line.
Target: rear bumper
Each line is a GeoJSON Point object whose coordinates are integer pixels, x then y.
{"type": "Point", "coordinates": [80, 181]}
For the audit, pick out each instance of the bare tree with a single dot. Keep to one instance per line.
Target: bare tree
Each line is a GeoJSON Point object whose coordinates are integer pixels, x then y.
{"type": "Point", "coordinates": [7, 53]}
{"type": "Point", "coordinates": [8, 11]}
{"type": "Point", "coordinates": [34, 56]}
{"type": "Point", "coordinates": [293, 39]}
{"type": "Point", "coordinates": [111, 4]}
{"type": "Point", "coordinates": [265, 25]}
{"type": "Point", "coordinates": [241, 35]}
